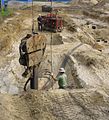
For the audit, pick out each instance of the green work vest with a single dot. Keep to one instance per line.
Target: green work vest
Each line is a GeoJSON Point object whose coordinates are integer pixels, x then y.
{"type": "Point", "coordinates": [62, 80]}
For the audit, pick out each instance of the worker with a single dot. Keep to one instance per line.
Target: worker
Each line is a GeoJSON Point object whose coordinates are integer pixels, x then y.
{"type": "Point", "coordinates": [62, 78]}
{"type": "Point", "coordinates": [39, 19]}
{"type": "Point", "coordinates": [5, 5]}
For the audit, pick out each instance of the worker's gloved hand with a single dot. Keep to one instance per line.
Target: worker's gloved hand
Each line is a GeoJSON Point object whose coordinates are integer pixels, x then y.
{"type": "Point", "coordinates": [51, 74]}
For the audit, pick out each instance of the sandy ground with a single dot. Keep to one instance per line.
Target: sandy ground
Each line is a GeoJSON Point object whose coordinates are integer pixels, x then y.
{"type": "Point", "coordinates": [82, 48]}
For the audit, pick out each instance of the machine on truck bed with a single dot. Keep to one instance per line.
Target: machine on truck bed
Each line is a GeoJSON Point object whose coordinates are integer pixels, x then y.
{"type": "Point", "coordinates": [52, 22]}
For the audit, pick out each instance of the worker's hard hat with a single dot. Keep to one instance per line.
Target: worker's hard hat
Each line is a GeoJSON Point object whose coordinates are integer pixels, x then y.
{"type": "Point", "coordinates": [39, 14]}
{"type": "Point", "coordinates": [62, 70]}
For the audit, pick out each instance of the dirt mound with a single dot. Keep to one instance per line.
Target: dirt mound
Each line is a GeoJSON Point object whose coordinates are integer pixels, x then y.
{"type": "Point", "coordinates": [83, 2]}
{"type": "Point", "coordinates": [91, 61]}
{"type": "Point", "coordinates": [55, 105]}
{"type": "Point", "coordinates": [102, 3]}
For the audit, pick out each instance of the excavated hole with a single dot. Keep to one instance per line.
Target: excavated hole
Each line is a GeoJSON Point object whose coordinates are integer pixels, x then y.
{"type": "Point", "coordinates": [71, 72]}
{"type": "Point", "coordinates": [98, 40]}
{"type": "Point", "coordinates": [105, 41]}
{"type": "Point", "coordinates": [100, 50]}
{"type": "Point", "coordinates": [94, 27]}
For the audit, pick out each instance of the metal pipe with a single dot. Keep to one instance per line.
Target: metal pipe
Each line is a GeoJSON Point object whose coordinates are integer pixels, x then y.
{"type": "Point", "coordinates": [34, 80]}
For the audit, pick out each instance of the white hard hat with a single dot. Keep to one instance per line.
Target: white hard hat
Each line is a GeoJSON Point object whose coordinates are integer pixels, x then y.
{"type": "Point", "coordinates": [39, 14]}
{"type": "Point", "coordinates": [62, 70]}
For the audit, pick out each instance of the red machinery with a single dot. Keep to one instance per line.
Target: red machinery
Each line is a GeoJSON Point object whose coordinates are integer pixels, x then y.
{"type": "Point", "coordinates": [52, 22]}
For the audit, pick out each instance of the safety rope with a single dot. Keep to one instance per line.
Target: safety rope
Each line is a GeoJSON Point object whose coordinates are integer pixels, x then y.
{"type": "Point", "coordinates": [51, 49]}
{"type": "Point", "coordinates": [32, 19]}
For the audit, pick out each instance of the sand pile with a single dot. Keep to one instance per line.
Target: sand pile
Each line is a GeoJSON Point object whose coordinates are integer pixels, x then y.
{"type": "Point", "coordinates": [55, 105]}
